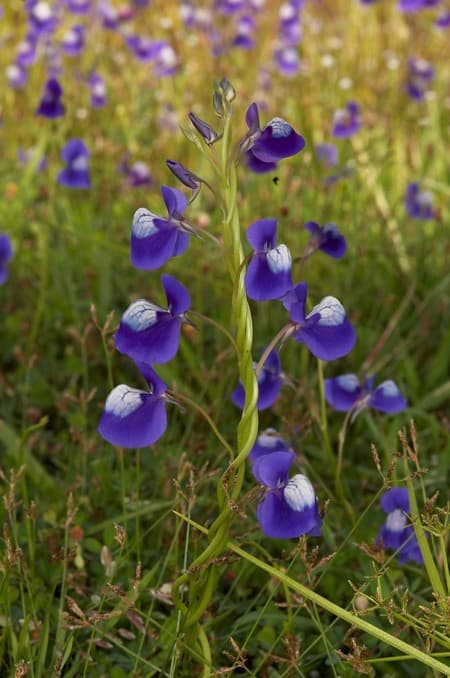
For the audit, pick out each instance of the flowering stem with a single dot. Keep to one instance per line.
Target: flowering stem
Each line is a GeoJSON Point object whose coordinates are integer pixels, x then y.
{"type": "Point", "coordinates": [202, 573]}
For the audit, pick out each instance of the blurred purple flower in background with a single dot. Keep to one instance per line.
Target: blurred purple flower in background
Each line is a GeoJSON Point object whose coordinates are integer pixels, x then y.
{"type": "Point", "coordinates": [97, 88]}
{"type": "Point", "coordinates": [41, 15]}
{"type": "Point", "coordinates": [396, 533]}
{"type": "Point", "coordinates": [418, 203]}
{"type": "Point", "coordinates": [29, 157]}
{"type": "Point", "coordinates": [346, 121]}
{"type": "Point", "coordinates": [346, 393]}
{"type": "Point", "coordinates": [76, 173]}
{"type": "Point", "coordinates": [78, 6]}
{"type": "Point", "coordinates": [50, 105]}
{"type": "Point", "coordinates": [289, 508]}
{"type": "Point", "coordinates": [72, 42]}
{"type": "Point", "coordinates": [267, 442]}
{"type": "Point", "coordinates": [420, 75]}
{"type": "Point", "coordinates": [16, 75]}
{"type": "Point", "coordinates": [327, 154]}
{"type": "Point", "coordinates": [6, 252]}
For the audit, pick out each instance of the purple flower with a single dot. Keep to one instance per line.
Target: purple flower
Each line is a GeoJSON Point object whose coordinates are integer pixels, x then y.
{"type": "Point", "coordinates": [265, 147]}
{"type": "Point", "coordinates": [204, 129]}
{"type": "Point", "coordinates": [16, 75]}
{"type": "Point", "coordinates": [97, 89]}
{"type": "Point", "coordinates": [50, 105]}
{"type": "Point", "coordinates": [266, 443]}
{"type": "Point", "coordinates": [346, 393]}
{"type": "Point", "coordinates": [6, 252]}
{"type": "Point", "coordinates": [326, 238]}
{"type": "Point", "coordinates": [183, 174]}
{"type": "Point", "coordinates": [165, 62]}
{"type": "Point", "coordinates": [270, 380]}
{"type": "Point", "coordinates": [138, 174]}
{"type": "Point", "coordinates": [30, 157]}
{"type": "Point", "coordinates": [132, 417]}
{"type": "Point", "coordinates": [41, 16]}
{"type": "Point", "coordinates": [229, 6]}
{"type": "Point", "coordinates": [418, 203]}
{"type": "Point", "coordinates": [416, 5]}
{"type": "Point", "coordinates": [325, 330]}
{"type": "Point", "coordinates": [327, 154]}
{"type": "Point", "coordinates": [443, 19]}
{"type": "Point", "coordinates": [26, 50]}
{"type": "Point", "coordinates": [346, 121]}
{"type": "Point", "coordinates": [78, 6]}
{"type": "Point", "coordinates": [149, 333]}
{"type": "Point", "coordinates": [268, 274]}
{"type": "Point", "coordinates": [72, 42]}
{"type": "Point", "coordinates": [154, 239]}
{"type": "Point", "coordinates": [76, 173]}
{"type": "Point", "coordinates": [420, 74]}
{"type": "Point", "coordinates": [287, 60]}
{"type": "Point", "coordinates": [396, 533]}
{"type": "Point", "coordinates": [289, 508]}
{"type": "Point", "coordinates": [244, 36]}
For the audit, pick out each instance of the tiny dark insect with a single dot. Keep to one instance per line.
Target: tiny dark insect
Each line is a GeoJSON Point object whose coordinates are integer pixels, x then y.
{"type": "Point", "coordinates": [276, 180]}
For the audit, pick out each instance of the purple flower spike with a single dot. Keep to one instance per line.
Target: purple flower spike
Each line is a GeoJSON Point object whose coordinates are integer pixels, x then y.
{"type": "Point", "coordinates": [346, 393]}
{"type": "Point", "coordinates": [289, 508]}
{"type": "Point", "coordinates": [326, 238]}
{"type": "Point", "coordinates": [6, 252]}
{"type": "Point", "coordinates": [264, 148]}
{"type": "Point", "coordinates": [132, 417]}
{"type": "Point", "coordinates": [270, 380]}
{"type": "Point", "coordinates": [325, 329]}
{"type": "Point", "coordinates": [268, 274]}
{"type": "Point", "coordinates": [154, 239]}
{"type": "Point", "coordinates": [50, 105]}
{"type": "Point", "coordinates": [266, 443]}
{"type": "Point", "coordinates": [76, 156]}
{"type": "Point", "coordinates": [346, 121]}
{"type": "Point", "coordinates": [149, 333]}
{"type": "Point", "coordinates": [396, 533]}
{"type": "Point", "coordinates": [418, 203]}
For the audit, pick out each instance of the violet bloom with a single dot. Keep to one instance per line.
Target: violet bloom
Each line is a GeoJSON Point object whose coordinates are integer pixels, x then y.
{"type": "Point", "coordinates": [30, 157]}
{"type": "Point", "coordinates": [154, 239]}
{"type": "Point", "coordinates": [78, 6]}
{"type": "Point", "coordinates": [244, 33]}
{"type": "Point", "coordinates": [26, 50]}
{"type": "Point", "coordinates": [416, 5]}
{"type": "Point", "coordinates": [165, 60]}
{"type": "Point", "coordinates": [287, 60]}
{"type": "Point", "coordinates": [76, 173]}
{"type": "Point", "coordinates": [268, 274]}
{"type": "Point", "coordinates": [97, 90]}
{"type": "Point", "coordinates": [41, 15]}
{"type": "Point", "coordinates": [346, 121]}
{"type": "Point", "coordinates": [346, 393]}
{"type": "Point", "coordinates": [327, 154]}
{"type": "Point", "coordinates": [6, 252]}
{"type": "Point", "coordinates": [50, 105]}
{"type": "Point", "coordinates": [326, 238]}
{"type": "Point", "coordinates": [16, 75]}
{"type": "Point", "coordinates": [325, 330]}
{"type": "Point", "coordinates": [184, 175]}
{"type": "Point", "coordinates": [396, 533]}
{"type": "Point", "coordinates": [265, 147]}
{"type": "Point", "coordinates": [138, 174]}
{"type": "Point", "coordinates": [266, 443]}
{"type": "Point", "coordinates": [132, 417]}
{"type": "Point", "coordinates": [149, 333]}
{"type": "Point", "coordinates": [420, 74]}
{"type": "Point", "coordinates": [72, 42]}
{"type": "Point", "coordinates": [270, 380]}
{"type": "Point", "coordinates": [418, 203]}
{"type": "Point", "coordinates": [289, 508]}
{"type": "Point", "coordinates": [443, 19]}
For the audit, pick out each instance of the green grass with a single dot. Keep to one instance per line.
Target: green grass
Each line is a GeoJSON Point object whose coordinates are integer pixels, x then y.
{"type": "Point", "coordinates": [93, 536]}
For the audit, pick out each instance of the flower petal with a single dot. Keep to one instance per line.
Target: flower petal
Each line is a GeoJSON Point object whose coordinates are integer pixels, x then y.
{"type": "Point", "coordinates": [395, 498]}
{"type": "Point", "coordinates": [268, 276]}
{"type": "Point", "coordinates": [176, 202]}
{"type": "Point", "coordinates": [279, 520]}
{"type": "Point", "coordinates": [343, 392]}
{"type": "Point", "coordinates": [272, 470]}
{"type": "Point", "coordinates": [262, 234]}
{"type": "Point", "coordinates": [132, 418]}
{"type": "Point", "coordinates": [178, 298]}
{"type": "Point", "coordinates": [387, 398]}
{"type": "Point", "coordinates": [267, 443]}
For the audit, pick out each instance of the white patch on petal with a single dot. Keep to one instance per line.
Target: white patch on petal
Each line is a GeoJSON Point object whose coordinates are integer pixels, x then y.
{"type": "Point", "coordinates": [396, 521]}
{"type": "Point", "coordinates": [269, 439]}
{"type": "Point", "coordinates": [280, 128]}
{"type": "Point", "coordinates": [123, 401]}
{"type": "Point", "coordinates": [98, 89]}
{"type": "Point", "coordinates": [279, 259]}
{"type": "Point", "coordinates": [141, 315]}
{"type": "Point", "coordinates": [332, 313]}
{"type": "Point", "coordinates": [71, 38]}
{"type": "Point", "coordinates": [143, 223]}
{"type": "Point", "coordinates": [348, 382]}
{"type": "Point", "coordinates": [80, 164]}
{"type": "Point", "coordinates": [389, 389]}
{"type": "Point", "coordinates": [42, 11]}
{"type": "Point", "coordinates": [299, 493]}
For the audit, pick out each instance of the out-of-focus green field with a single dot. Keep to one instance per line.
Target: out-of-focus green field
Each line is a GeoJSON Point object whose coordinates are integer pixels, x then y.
{"type": "Point", "coordinates": [90, 540]}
